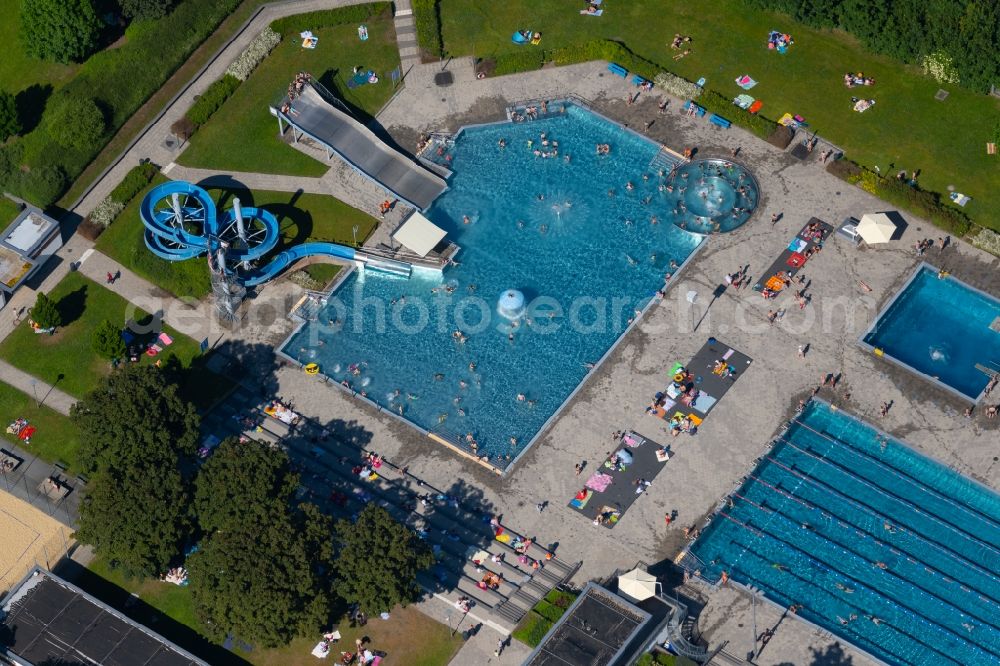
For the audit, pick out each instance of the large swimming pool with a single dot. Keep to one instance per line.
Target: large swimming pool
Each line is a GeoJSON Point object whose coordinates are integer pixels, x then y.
{"type": "Point", "coordinates": [940, 328]}
{"type": "Point", "coordinates": [585, 249]}
{"type": "Point", "coordinates": [854, 525]}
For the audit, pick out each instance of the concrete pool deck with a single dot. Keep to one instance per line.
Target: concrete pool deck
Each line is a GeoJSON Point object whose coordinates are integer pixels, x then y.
{"type": "Point", "coordinates": [707, 466]}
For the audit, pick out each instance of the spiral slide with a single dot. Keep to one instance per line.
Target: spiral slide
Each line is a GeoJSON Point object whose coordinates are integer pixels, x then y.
{"type": "Point", "coordinates": [182, 223]}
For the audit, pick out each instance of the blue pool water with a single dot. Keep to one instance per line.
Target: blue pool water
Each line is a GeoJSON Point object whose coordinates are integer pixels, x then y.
{"type": "Point", "coordinates": [832, 499]}
{"type": "Point", "coordinates": [595, 256]}
{"type": "Point", "coordinates": [941, 328]}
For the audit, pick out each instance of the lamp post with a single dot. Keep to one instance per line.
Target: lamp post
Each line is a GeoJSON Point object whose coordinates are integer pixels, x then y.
{"type": "Point", "coordinates": [34, 391]}
{"type": "Point", "coordinates": [354, 230]}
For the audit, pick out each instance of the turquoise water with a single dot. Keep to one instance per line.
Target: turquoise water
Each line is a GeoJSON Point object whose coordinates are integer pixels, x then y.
{"type": "Point", "coordinates": [544, 226]}
{"type": "Point", "coordinates": [941, 328]}
{"type": "Point", "coordinates": [831, 500]}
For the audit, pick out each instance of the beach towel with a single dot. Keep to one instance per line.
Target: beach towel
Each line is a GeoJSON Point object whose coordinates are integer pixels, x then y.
{"type": "Point", "coordinates": [786, 120]}
{"type": "Point", "coordinates": [703, 403]}
{"type": "Point", "coordinates": [729, 352]}
{"type": "Point", "coordinates": [662, 455]}
{"type": "Point", "coordinates": [797, 244]}
{"type": "Point", "coordinates": [756, 106]}
{"type": "Point", "coordinates": [701, 82]}
{"type": "Point", "coordinates": [599, 481]}
{"type": "Point", "coordinates": [743, 101]}
{"type": "Point", "coordinates": [678, 366]}
{"type": "Point", "coordinates": [624, 456]}
{"type": "Point", "coordinates": [165, 339]}
{"type": "Point", "coordinates": [959, 198]}
{"type": "Point", "coordinates": [745, 82]}
{"type": "Point", "coordinates": [586, 13]}
{"type": "Point", "coordinates": [26, 433]}
{"type": "Point", "coordinates": [578, 502]}
{"type": "Point", "coordinates": [632, 440]}
{"type": "Point", "coordinates": [796, 260]}
{"type": "Point", "coordinates": [503, 538]}
{"type": "Point", "coordinates": [775, 283]}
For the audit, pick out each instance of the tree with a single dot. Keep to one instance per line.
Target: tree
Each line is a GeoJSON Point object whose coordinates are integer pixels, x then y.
{"type": "Point", "coordinates": [135, 417]}
{"type": "Point", "coordinates": [76, 122]}
{"type": "Point", "coordinates": [10, 123]}
{"type": "Point", "coordinates": [378, 560]}
{"type": "Point", "coordinates": [243, 484]}
{"type": "Point", "coordinates": [262, 583]}
{"type": "Point", "coordinates": [107, 341]}
{"type": "Point", "coordinates": [142, 10]}
{"type": "Point", "coordinates": [45, 313]}
{"type": "Point", "coordinates": [60, 30]}
{"type": "Point", "coordinates": [136, 517]}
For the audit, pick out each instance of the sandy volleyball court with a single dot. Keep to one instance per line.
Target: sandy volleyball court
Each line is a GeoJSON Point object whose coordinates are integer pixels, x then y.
{"type": "Point", "coordinates": [29, 537]}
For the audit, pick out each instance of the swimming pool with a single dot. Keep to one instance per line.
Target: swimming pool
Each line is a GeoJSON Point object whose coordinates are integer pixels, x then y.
{"type": "Point", "coordinates": [852, 524]}
{"type": "Point", "coordinates": [940, 328]}
{"type": "Point", "coordinates": [585, 262]}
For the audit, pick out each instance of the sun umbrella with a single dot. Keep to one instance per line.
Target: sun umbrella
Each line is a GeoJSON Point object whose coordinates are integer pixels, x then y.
{"type": "Point", "coordinates": [876, 228]}
{"type": "Point", "coordinates": [638, 584]}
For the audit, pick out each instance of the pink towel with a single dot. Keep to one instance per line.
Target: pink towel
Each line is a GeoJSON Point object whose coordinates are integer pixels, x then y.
{"type": "Point", "coordinates": [165, 339]}
{"type": "Point", "coordinates": [599, 482]}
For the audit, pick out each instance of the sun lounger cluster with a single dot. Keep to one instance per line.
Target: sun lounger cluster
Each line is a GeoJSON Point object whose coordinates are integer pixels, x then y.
{"type": "Point", "coordinates": [808, 242]}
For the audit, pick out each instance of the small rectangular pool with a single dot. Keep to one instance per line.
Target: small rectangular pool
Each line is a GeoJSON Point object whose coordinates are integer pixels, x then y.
{"type": "Point", "coordinates": [874, 542]}
{"type": "Point", "coordinates": [941, 329]}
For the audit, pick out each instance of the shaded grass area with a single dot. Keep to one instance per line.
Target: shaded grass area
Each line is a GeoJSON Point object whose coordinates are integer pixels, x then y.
{"type": "Point", "coordinates": [301, 217]}
{"type": "Point", "coordinates": [57, 438]}
{"type": "Point", "coordinates": [907, 129]}
{"type": "Point", "coordinates": [19, 71]}
{"type": "Point", "coordinates": [409, 637]}
{"type": "Point", "coordinates": [243, 136]}
{"type": "Point", "coordinates": [8, 211]}
{"type": "Point", "coordinates": [533, 626]}
{"type": "Point", "coordinates": [66, 358]}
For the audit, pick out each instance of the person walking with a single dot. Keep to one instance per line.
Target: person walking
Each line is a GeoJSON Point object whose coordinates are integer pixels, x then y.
{"type": "Point", "coordinates": [802, 351]}
{"type": "Point", "coordinates": [501, 643]}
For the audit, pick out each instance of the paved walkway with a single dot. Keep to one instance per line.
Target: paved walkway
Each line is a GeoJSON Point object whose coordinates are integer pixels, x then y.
{"type": "Point", "coordinates": [47, 394]}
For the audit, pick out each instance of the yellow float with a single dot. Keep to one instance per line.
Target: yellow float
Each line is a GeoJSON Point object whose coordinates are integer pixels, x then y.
{"type": "Point", "coordinates": [312, 369]}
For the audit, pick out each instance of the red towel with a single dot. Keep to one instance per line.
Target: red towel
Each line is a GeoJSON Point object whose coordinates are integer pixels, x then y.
{"type": "Point", "coordinates": [26, 432]}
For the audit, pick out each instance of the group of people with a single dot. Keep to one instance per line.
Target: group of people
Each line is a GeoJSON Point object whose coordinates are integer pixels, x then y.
{"type": "Point", "coordinates": [679, 40]}
{"type": "Point", "coordinates": [295, 89]}
{"type": "Point", "coordinates": [851, 80]}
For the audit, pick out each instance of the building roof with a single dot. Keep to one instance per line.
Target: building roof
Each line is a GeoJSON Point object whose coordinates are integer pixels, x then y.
{"type": "Point", "coordinates": [419, 234]}
{"type": "Point", "coordinates": [47, 620]}
{"type": "Point", "coordinates": [594, 631]}
{"type": "Point", "coordinates": [29, 231]}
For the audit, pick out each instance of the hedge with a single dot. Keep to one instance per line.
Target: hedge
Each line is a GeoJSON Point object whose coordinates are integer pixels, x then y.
{"type": "Point", "coordinates": [918, 201]}
{"type": "Point", "coordinates": [427, 17]}
{"type": "Point", "coordinates": [134, 182]}
{"type": "Point", "coordinates": [210, 100]}
{"type": "Point", "coordinates": [329, 17]}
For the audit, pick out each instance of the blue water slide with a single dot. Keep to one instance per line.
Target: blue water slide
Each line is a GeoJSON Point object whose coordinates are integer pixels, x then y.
{"type": "Point", "coordinates": [164, 237]}
{"type": "Point", "coordinates": [291, 255]}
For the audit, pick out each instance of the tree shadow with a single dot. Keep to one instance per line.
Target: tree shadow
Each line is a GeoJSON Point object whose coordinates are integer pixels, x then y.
{"type": "Point", "coordinates": [832, 655]}
{"type": "Point", "coordinates": [72, 305]}
{"type": "Point", "coordinates": [140, 611]}
{"type": "Point", "coordinates": [254, 366]}
{"type": "Point", "coordinates": [30, 103]}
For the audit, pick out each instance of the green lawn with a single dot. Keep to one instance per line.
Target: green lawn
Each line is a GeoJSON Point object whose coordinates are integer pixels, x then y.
{"type": "Point", "coordinates": [66, 358]}
{"type": "Point", "coordinates": [533, 626]}
{"type": "Point", "coordinates": [56, 439]}
{"type": "Point", "coordinates": [18, 71]}
{"type": "Point", "coordinates": [907, 129]}
{"type": "Point", "coordinates": [302, 217]}
{"type": "Point", "coordinates": [409, 637]}
{"type": "Point", "coordinates": [8, 211]}
{"type": "Point", "coordinates": [243, 135]}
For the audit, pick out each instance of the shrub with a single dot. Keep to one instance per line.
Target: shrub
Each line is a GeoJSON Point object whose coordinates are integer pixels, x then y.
{"type": "Point", "coordinates": [10, 124]}
{"type": "Point", "coordinates": [329, 17]}
{"type": "Point", "coordinates": [45, 313]}
{"type": "Point", "coordinates": [845, 169]}
{"type": "Point", "coordinates": [106, 341]}
{"type": "Point", "coordinates": [427, 17]}
{"type": "Point", "coordinates": [143, 10]}
{"type": "Point", "coordinates": [76, 122]}
{"type": "Point", "coordinates": [677, 86]}
{"type": "Point", "coordinates": [518, 61]}
{"type": "Point", "coordinates": [210, 100]}
{"type": "Point", "coordinates": [40, 185]}
{"type": "Point", "coordinates": [60, 30]}
{"type": "Point", "coordinates": [134, 181]}
{"type": "Point", "coordinates": [940, 67]}
{"type": "Point", "coordinates": [254, 54]}
{"type": "Point", "coordinates": [987, 240]}
{"type": "Point", "coordinates": [723, 106]}
{"type": "Point", "coordinates": [532, 629]}
{"type": "Point", "coordinates": [105, 212]}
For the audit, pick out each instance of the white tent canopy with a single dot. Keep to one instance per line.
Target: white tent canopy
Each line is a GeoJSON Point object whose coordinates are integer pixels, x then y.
{"type": "Point", "coordinates": [638, 584]}
{"type": "Point", "coordinates": [876, 228]}
{"type": "Point", "coordinates": [418, 234]}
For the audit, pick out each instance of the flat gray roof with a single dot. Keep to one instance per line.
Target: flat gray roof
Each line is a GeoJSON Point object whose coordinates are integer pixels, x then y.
{"type": "Point", "coordinates": [29, 230]}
